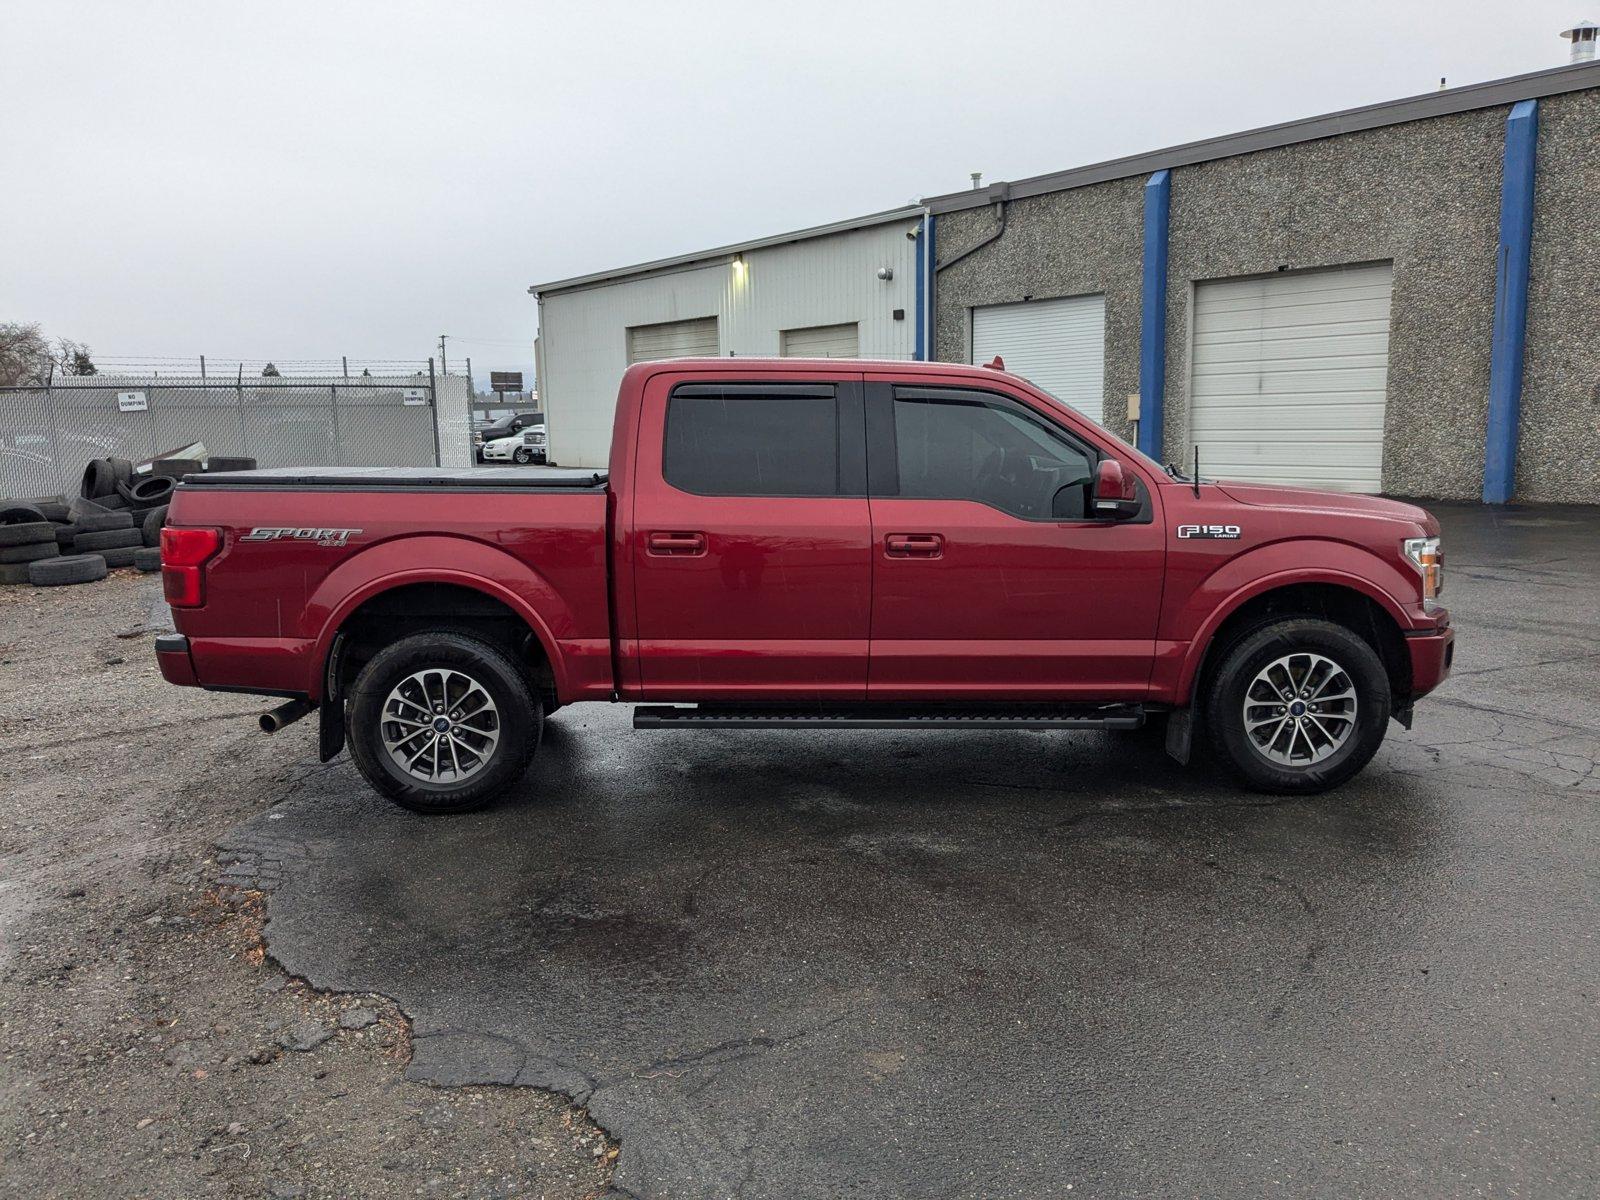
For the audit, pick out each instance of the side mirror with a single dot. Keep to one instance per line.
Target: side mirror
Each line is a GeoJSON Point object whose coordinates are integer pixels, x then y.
{"type": "Point", "coordinates": [1114, 494]}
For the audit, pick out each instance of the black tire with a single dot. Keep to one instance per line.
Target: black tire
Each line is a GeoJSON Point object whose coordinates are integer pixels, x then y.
{"type": "Point", "coordinates": [54, 572]}
{"type": "Point", "coordinates": [112, 502]}
{"type": "Point", "coordinates": [219, 462]}
{"type": "Point", "coordinates": [98, 479]}
{"type": "Point", "coordinates": [28, 554]}
{"type": "Point", "coordinates": [21, 512]}
{"type": "Point", "coordinates": [151, 528]}
{"type": "Point", "coordinates": [147, 558]}
{"type": "Point", "coordinates": [147, 491]}
{"type": "Point", "coordinates": [1252, 652]}
{"type": "Point", "coordinates": [53, 510]}
{"type": "Point", "coordinates": [100, 522]}
{"type": "Point", "coordinates": [110, 539]}
{"type": "Point", "coordinates": [174, 468]}
{"type": "Point", "coordinates": [521, 720]}
{"type": "Point", "coordinates": [65, 534]}
{"type": "Point", "coordinates": [121, 556]}
{"type": "Point", "coordinates": [121, 470]}
{"type": "Point", "coordinates": [14, 573]}
{"type": "Point", "coordinates": [522, 455]}
{"type": "Point", "coordinates": [27, 534]}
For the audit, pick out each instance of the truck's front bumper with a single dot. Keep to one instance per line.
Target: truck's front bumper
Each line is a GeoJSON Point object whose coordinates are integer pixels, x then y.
{"type": "Point", "coordinates": [1432, 655]}
{"type": "Point", "coordinates": [172, 656]}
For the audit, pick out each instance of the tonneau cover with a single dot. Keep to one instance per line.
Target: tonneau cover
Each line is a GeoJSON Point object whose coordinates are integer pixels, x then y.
{"type": "Point", "coordinates": [394, 478]}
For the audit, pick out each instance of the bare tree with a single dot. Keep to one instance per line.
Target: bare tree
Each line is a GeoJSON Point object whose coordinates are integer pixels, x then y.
{"type": "Point", "coordinates": [74, 358]}
{"type": "Point", "coordinates": [26, 359]}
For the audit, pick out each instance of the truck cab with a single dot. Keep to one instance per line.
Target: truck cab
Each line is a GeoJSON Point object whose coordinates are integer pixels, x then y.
{"type": "Point", "coordinates": [788, 543]}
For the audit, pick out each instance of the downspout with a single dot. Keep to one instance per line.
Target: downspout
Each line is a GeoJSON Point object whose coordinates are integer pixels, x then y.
{"type": "Point", "coordinates": [1510, 304]}
{"type": "Point", "coordinates": [1001, 192]}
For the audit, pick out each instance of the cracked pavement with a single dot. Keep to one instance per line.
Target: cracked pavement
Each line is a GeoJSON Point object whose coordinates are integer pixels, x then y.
{"type": "Point", "coordinates": [1001, 963]}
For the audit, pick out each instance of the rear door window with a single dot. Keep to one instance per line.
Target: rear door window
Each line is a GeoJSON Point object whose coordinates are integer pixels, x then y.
{"type": "Point", "coordinates": [749, 442]}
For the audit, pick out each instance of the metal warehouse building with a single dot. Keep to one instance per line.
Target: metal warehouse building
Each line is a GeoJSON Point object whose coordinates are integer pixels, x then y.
{"type": "Point", "coordinates": [1400, 298]}
{"type": "Point", "coordinates": [845, 290]}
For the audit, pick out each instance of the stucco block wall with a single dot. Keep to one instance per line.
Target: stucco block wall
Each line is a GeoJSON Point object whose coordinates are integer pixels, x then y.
{"type": "Point", "coordinates": [1075, 243]}
{"type": "Point", "coordinates": [1424, 196]}
{"type": "Point", "coordinates": [1558, 457]}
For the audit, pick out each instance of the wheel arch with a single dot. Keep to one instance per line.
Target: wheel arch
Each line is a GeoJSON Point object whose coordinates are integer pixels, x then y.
{"type": "Point", "coordinates": [1350, 601]}
{"type": "Point", "coordinates": [513, 587]}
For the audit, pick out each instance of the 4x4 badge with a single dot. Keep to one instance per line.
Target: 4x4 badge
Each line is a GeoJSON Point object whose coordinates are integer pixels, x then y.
{"type": "Point", "coordinates": [1208, 531]}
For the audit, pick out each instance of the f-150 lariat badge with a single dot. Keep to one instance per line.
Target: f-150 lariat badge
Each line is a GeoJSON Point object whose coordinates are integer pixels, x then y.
{"type": "Point", "coordinates": [1208, 531]}
{"type": "Point", "coordinates": [320, 537]}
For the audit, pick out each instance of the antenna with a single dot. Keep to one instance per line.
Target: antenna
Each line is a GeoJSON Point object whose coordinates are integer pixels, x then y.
{"type": "Point", "coordinates": [1197, 470]}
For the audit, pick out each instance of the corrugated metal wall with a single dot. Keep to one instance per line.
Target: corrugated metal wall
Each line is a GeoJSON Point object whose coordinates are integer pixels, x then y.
{"type": "Point", "coordinates": [827, 280]}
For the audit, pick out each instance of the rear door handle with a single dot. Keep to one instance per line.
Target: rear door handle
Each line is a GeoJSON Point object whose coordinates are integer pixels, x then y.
{"type": "Point", "coordinates": [913, 545]}
{"type": "Point", "coordinates": [676, 545]}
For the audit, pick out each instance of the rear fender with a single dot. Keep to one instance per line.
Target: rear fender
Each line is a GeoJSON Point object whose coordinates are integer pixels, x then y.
{"type": "Point", "coordinates": [391, 564]}
{"type": "Point", "coordinates": [1260, 571]}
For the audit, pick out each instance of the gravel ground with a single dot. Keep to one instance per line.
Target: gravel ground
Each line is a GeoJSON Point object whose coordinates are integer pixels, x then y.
{"type": "Point", "coordinates": [151, 1046]}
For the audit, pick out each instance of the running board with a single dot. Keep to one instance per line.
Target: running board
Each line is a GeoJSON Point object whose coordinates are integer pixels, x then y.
{"type": "Point", "coordinates": [890, 716]}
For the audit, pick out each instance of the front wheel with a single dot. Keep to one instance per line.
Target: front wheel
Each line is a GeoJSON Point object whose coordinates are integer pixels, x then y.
{"type": "Point", "coordinates": [523, 455]}
{"type": "Point", "coordinates": [442, 723]}
{"type": "Point", "coordinates": [1298, 706]}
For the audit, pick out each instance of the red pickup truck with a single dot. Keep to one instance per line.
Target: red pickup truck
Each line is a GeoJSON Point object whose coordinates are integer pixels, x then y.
{"type": "Point", "coordinates": [784, 543]}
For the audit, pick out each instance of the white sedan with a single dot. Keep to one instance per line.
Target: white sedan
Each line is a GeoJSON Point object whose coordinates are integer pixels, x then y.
{"type": "Point", "coordinates": [524, 447]}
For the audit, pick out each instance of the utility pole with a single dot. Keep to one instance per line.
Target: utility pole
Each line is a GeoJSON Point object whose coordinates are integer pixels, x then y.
{"type": "Point", "coordinates": [444, 363]}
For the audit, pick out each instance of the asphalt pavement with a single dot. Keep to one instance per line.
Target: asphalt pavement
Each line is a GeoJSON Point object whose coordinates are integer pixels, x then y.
{"type": "Point", "coordinates": [829, 964]}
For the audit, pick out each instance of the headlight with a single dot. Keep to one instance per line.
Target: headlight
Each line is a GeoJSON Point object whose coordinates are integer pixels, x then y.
{"type": "Point", "coordinates": [1425, 554]}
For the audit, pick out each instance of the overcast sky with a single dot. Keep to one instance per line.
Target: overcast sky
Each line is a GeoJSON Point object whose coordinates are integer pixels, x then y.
{"type": "Point", "coordinates": [300, 181]}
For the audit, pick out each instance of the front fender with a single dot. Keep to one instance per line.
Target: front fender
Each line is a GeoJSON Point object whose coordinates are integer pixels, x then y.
{"type": "Point", "coordinates": [472, 564]}
{"type": "Point", "coordinates": [1265, 569]}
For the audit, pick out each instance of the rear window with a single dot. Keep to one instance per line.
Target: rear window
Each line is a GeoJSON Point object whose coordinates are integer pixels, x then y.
{"type": "Point", "coordinates": [752, 444]}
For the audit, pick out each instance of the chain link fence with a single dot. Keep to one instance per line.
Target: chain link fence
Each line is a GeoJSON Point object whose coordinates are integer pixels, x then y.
{"type": "Point", "coordinates": [48, 434]}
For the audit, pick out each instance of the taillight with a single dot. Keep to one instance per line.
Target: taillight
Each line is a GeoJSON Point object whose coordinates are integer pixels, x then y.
{"type": "Point", "coordinates": [184, 554]}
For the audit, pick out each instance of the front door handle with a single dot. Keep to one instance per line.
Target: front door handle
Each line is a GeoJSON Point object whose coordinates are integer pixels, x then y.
{"type": "Point", "coordinates": [913, 545]}
{"type": "Point", "coordinates": [676, 545]}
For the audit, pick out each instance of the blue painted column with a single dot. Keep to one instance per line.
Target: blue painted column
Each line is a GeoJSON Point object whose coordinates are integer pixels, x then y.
{"type": "Point", "coordinates": [924, 235]}
{"type": "Point", "coordinates": [1510, 304]}
{"type": "Point", "coordinates": [1153, 318]}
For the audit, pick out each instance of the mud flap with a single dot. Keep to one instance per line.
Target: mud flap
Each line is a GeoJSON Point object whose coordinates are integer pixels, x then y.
{"type": "Point", "coordinates": [1403, 715]}
{"type": "Point", "coordinates": [330, 733]}
{"type": "Point", "coordinates": [1180, 735]}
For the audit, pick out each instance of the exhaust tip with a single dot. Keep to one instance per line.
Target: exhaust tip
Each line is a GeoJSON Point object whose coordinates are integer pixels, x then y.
{"type": "Point", "coordinates": [286, 713]}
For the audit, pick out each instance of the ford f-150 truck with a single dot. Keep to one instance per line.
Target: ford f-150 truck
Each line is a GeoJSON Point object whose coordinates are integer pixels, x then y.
{"type": "Point", "coordinates": [804, 544]}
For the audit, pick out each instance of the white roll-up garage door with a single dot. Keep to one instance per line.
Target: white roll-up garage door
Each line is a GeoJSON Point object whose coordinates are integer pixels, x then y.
{"type": "Point", "coordinates": [821, 341]}
{"type": "Point", "coordinates": [1289, 374]}
{"type": "Point", "coordinates": [1058, 344]}
{"type": "Point", "coordinates": [673, 339]}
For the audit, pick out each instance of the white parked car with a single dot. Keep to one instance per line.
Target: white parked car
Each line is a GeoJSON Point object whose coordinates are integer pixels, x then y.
{"type": "Point", "coordinates": [528, 446]}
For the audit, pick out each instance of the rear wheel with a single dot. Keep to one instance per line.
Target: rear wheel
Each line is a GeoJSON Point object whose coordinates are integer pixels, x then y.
{"type": "Point", "coordinates": [442, 723]}
{"type": "Point", "coordinates": [1298, 706]}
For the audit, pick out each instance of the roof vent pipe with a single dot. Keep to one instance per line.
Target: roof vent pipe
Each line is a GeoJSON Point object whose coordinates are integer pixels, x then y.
{"type": "Point", "coordinates": [977, 176]}
{"type": "Point", "coordinates": [1582, 36]}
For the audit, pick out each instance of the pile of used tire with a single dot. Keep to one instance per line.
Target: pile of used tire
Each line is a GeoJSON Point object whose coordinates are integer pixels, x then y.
{"type": "Point", "coordinates": [48, 541]}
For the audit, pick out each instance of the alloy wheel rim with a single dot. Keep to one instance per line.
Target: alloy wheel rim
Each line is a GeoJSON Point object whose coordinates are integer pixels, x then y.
{"type": "Point", "coordinates": [1300, 709]}
{"type": "Point", "coordinates": [440, 726]}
